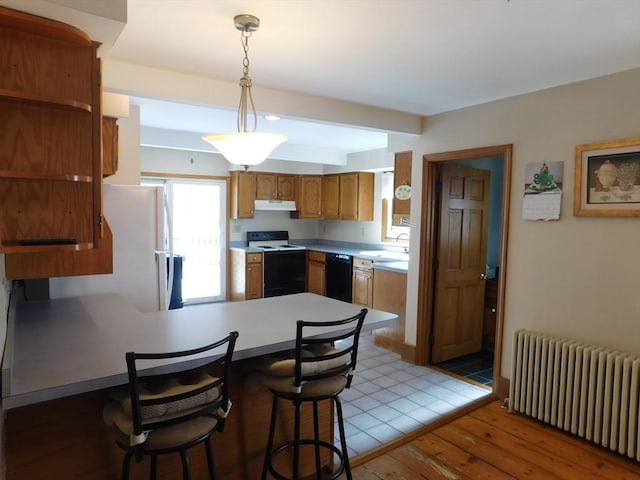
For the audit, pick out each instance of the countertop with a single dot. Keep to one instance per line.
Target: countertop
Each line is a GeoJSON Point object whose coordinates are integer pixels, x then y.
{"type": "Point", "coordinates": [67, 346]}
{"type": "Point", "coordinates": [379, 260]}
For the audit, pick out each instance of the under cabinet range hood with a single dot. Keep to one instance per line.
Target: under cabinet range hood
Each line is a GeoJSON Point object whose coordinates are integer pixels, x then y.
{"type": "Point", "coordinates": [278, 205]}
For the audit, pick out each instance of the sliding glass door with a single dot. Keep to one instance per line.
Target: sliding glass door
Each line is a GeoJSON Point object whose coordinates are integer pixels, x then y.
{"type": "Point", "coordinates": [197, 224]}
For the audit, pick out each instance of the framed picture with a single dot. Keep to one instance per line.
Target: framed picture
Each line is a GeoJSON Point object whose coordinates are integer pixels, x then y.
{"type": "Point", "coordinates": [607, 179]}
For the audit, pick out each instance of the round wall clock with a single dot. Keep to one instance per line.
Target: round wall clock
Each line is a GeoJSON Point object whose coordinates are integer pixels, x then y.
{"type": "Point", "coordinates": [403, 192]}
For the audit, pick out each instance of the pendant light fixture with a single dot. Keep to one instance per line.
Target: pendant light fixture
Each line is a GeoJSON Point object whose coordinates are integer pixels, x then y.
{"type": "Point", "coordinates": [245, 147]}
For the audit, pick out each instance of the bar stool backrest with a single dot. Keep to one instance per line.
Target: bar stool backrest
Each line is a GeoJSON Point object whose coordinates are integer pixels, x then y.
{"type": "Point", "coordinates": [324, 362]}
{"type": "Point", "coordinates": [164, 395]}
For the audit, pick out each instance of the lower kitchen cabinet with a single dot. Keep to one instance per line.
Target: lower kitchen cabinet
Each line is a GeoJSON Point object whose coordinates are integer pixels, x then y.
{"type": "Point", "coordinates": [362, 282]}
{"type": "Point", "coordinates": [316, 272]}
{"type": "Point", "coordinates": [246, 275]}
{"type": "Point", "coordinates": [390, 295]}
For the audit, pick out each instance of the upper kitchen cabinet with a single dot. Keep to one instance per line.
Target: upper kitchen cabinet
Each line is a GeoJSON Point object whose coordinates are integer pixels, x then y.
{"type": "Point", "coordinates": [402, 188]}
{"type": "Point", "coordinates": [109, 146]}
{"type": "Point", "coordinates": [356, 196]}
{"type": "Point", "coordinates": [243, 194]}
{"type": "Point", "coordinates": [274, 186]}
{"type": "Point", "coordinates": [309, 199]}
{"type": "Point", "coordinates": [50, 136]}
{"type": "Point", "coordinates": [331, 197]}
{"type": "Point", "coordinates": [348, 196]}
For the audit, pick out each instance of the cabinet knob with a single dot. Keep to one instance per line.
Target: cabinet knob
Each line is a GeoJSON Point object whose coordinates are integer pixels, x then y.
{"type": "Point", "coordinates": [493, 310]}
{"type": "Point", "coordinates": [483, 276]}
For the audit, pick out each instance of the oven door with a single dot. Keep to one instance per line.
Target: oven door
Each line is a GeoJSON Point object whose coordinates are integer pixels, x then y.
{"type": "Point", "coordinates": [285, 272]}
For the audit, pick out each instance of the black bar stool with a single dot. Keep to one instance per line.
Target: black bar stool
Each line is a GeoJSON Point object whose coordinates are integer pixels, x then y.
{"type": "Point", "coordinates": [320, 371]}
{"type": "Point", "coordinates": [164, 413]}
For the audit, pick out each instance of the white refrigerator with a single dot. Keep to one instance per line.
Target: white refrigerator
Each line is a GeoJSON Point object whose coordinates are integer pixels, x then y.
{"type": "Point", "coordinates": [137, 217]}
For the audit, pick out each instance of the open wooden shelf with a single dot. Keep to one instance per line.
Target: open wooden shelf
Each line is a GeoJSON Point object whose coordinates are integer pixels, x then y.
{"type": "Point", "coordinates": [46, 176]}
{"type": "Point", "coordinates": [16, 247]}
{"type": "Point", "coordinates": [25, 98]}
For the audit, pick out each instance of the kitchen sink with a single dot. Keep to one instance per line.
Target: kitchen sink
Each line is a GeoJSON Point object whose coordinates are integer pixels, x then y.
{"type": "Point", "coordinates": [386, 255]}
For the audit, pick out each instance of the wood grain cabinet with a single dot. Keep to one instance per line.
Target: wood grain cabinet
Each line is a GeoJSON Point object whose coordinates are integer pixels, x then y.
{"type": "Point", "coordinates": [246, 275]}
{"type": "Point", "coordinates": [50, 141]}
{"type": "Point", "coordinates": [274, 186]}
{"type": "Point", "coordinates": [348, 196]}
{"type": "Point", "coordinates": [309, 198]}
{"type": "Point", "coordinates": [362, 288]}
{"type": "Point", "coordinates": [389, 295]}
{"type": "Point", "coordinates": [331, 197]}
{"type": "Point", "coordinates": [109, 146]}
{"type": "Point", "coordinates": [243, 194]}
{"type": "Point", "coordinates": [489, 317]}
{"type": "Point", "coordinates": [316, 272]}
{"type": "Point", "coordinates": [401, 176]}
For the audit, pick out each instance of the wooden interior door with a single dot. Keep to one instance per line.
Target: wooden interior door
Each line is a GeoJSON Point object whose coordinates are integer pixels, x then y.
{"type": "Point", "coordinates": [461, 254]}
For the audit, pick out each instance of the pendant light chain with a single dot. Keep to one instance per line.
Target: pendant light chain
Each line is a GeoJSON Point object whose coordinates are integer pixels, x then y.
{"type": "Point", "coordinates": [245, 86]}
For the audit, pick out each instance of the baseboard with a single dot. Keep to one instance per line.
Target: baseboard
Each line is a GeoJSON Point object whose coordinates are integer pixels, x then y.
{"type": "Point", "coordinates": [407, 352]}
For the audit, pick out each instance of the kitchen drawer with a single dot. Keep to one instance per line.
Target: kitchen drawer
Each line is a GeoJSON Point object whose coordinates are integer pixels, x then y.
{"type": "Point", "coordinates": [362, 263]}
{"type": "Point", "coordinates": [316, 256]}
{"type": "Point", "coordinates": [254, 258]}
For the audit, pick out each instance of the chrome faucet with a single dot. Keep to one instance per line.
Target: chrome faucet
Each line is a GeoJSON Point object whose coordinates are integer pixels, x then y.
{"type": "Point", "coordinates": [405, 248]}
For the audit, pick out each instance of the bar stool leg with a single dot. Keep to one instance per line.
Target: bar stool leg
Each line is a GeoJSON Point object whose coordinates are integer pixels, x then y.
{"type": "Point", "coordinates": [210, 463]}
{"type": "Point", "coordinates": [296, 442]}
{"type": "Point", "coordinates": [126, 463]}
{"type": "Point", "coordinates": [316, 436]}
{"type": "Point", "coordinates": [343, 441]}
{"type": "Point", "coordinates": [154, 467]}
{"type": "Point", "coordinates": [186, 471]}
{"type": "Point", "coordinates": [272, 429]}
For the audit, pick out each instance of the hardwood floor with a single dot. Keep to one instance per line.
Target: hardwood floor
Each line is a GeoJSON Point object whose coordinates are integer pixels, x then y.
{"type": "Point", "coordinates": [490, 443]}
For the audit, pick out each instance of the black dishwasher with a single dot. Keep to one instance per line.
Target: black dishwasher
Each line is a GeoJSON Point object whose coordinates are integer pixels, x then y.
{"type": "Point", "coordinates": [339, 276]}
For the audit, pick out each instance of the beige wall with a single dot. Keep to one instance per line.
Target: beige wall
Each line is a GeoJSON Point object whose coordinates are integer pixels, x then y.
{"type": "Point", "coordinates": [576, 277]}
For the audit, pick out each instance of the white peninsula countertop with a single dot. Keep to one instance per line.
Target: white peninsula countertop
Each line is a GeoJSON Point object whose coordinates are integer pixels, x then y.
{"type": "Point", "coordinates": [63, 347]}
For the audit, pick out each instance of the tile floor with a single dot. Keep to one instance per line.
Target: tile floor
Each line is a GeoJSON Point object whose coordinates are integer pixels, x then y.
{"type": "Point", "coordinates": [390, 397]}
{"type": "Point", "coordinates": [477, 367]}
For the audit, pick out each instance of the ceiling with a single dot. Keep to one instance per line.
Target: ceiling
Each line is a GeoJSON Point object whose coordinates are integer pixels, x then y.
{"type": "Point", "coordinates": [417, 56]}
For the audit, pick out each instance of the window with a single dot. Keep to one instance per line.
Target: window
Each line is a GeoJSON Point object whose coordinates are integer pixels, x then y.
{"type": "Point", "coordinates": [198, 225]}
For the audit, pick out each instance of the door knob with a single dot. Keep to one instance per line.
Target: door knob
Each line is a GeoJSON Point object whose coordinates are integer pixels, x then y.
{"type": "Point", "coordinates": [483, 276]}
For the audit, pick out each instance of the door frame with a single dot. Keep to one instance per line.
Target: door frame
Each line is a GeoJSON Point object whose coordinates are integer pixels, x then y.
{"type": "Point", "coordinates": [428, 247]}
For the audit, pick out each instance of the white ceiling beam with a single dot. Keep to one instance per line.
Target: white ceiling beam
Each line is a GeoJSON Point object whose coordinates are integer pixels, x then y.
{"type": "Point", "coordinates": [150, 82]}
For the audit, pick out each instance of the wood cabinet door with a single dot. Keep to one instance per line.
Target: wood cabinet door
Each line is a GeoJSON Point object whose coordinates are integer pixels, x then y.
{"type": "Point", "coordinates": [253, 281]}
{"type": "Point", "coordinates": [109, 146]}
{"type": "Point", "coordinates": [349, 196]}
{"type": "Point", "coordinates": [266, 186]}
{"type": "Point", "coordinates": [362, 286]}
{"type": "Point", "coordinates": [401, 176]}
{"type": "Point", "coordinates": [243, 187]}
{"type": "Point", "coordinates": [316, 282]}
{"type": "Point", "coordinates": [286, 187]}
{"type": "Point", "coordinates": [310, 197]}
{"type": "Point", "coordinates": [331, 197]}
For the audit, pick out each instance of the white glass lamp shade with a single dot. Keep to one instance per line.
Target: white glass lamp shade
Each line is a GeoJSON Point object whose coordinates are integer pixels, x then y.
{"type": "Point", "coordinates": [245, 148]}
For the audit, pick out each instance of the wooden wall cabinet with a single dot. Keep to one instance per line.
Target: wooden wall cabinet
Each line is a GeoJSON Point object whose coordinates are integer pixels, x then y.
{"type": "Point", "coordinates": [309, 198]}
{"type": "Point", "coordinates": [50, 139]}
{"type": "Point", "coordinates": [348, 196]}
{"type": "Point", "coordinates": [316, 272]}
{"type": "Point", "coordinates": [243, 194]}
{"type": "Point", "coordinates": [362, 287]}
{"type": "Point", "coordinates": [275, 186]}
{"type": "Point", "coordinates": [246, 275]}
{"type": "Point", "coordinates": [109, 146]}
{"type": "Point", "coordinates": [401, 209]}
{"type": "Point", "coordinates": [331, 197]}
